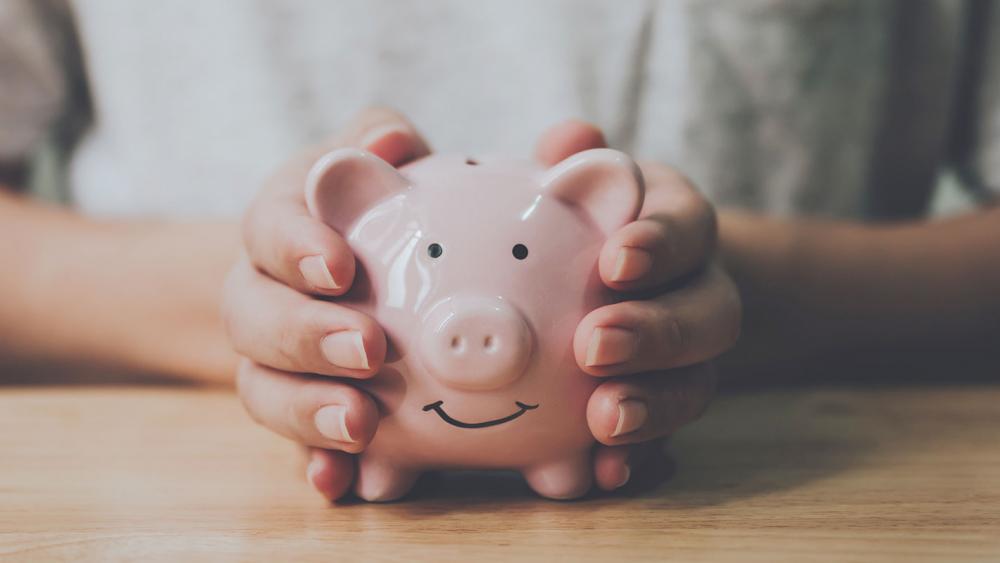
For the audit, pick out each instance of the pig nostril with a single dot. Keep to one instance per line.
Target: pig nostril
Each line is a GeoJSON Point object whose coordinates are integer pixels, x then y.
{"type": "Point", "coordinates": [474, 343]}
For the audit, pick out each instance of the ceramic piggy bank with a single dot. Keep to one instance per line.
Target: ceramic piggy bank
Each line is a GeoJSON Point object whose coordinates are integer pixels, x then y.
{"type": "Point", "coordinates": [479, 272]}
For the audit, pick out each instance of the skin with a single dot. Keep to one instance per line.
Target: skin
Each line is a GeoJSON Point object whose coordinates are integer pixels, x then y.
{"type": "Point", "coordinates": [276, 323]}
{"type": "Point", "coordinates": [847, 301]}
{"type": "Point", "coordinates": [78, 295]}
{"type": "Point", "coordinates": [892, 298]}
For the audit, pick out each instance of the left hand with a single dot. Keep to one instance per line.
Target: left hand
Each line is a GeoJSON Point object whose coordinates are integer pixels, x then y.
{"type": "Point", "coordinates": [683, 310]}
{"type": "Point", "coordinates": [302, 352]}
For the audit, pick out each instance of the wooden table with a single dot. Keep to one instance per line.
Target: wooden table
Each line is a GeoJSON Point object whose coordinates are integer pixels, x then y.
{"type": "Point", "coordinates": [176, 474]}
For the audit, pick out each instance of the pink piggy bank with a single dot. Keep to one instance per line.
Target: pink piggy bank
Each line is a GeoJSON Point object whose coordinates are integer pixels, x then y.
{"type": "Point", "coordinates": [479, 272]}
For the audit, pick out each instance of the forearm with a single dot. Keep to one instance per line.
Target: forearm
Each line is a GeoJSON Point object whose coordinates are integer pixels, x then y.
{"type": "Point", "coordinates": [824, 294]}
{"type": "Point", "coordinates": [138, 296]}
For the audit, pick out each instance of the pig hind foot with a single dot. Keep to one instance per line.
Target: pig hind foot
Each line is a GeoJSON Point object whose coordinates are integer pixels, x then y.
{"type": "Point", "coordinates": [378, 480]}
{"type": "Point", "coordinates": [563, 479]}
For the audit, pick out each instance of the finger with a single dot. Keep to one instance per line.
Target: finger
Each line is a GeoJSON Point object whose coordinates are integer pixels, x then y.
{"type": "Point", "coordinates": [640, 408]}
{"type": "Point", "coordinates": [614, 465]}
{"type": "Point", "coordinates": [316, 412]}
{"type": "Point", "coordinates": [330, 472]}
{"type": "Point", "coordinates": [297, 249]}
{"type": "Point", "coordinates": [382, 131]}
{"type": "Point", "coordinates": [679, 328]}
{"type": "Point", "coordinates": [285, 241]}
{"type": "Point", "coordinates": [675, 234]}
{"type": "Point", "coordinates": [279, 327]}
{"type": "Point", "coordinates": [611, 467]}
{"type": "Point", "coordinates": [565, 139]}
{"type": "Point", "coordinates": [385, 132]}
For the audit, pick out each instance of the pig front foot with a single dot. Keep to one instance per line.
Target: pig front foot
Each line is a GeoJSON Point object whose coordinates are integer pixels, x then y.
{"type": "Point", "coordinates": [379, 480]}
{"type": "Point", "coordinates": [564, 479]}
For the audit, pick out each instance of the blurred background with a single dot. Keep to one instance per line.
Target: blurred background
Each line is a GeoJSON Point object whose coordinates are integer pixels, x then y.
{"type": "Point", "coordinates": [801, 106]}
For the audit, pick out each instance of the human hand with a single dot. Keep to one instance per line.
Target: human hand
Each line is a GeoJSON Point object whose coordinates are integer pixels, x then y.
{"type": "Point", "coordinates": [290, 340]}
{"type": "Point", "coordinates": [680, 311]}
{"type": "Point", "coordinates": [677, 230]}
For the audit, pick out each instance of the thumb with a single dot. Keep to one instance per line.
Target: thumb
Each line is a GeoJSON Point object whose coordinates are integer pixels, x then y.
{"type": "Point", "coordinates": [565, 139]}
{"type": "Point", "coordinates": [384, 132]}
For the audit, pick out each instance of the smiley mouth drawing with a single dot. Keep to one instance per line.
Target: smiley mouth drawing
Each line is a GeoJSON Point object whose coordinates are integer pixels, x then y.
{"type": "Point", "coordinates": [436, 407]}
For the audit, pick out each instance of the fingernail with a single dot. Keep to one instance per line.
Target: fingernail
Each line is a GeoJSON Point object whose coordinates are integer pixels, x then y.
{"type": "Point", "coordinates": [633, 263]}
{"type": "Point", "coordinates": [378, 133]}
{"type": "Point", "coordinates": [331, 421]}
{"type": "Point", "coordinates": [316, 273]}
{"type": "Point", "coordinates": [631, 416]}
{"type": "Point", "coordinates": [611, 345]}
{"type": "Point", "coordinates": [628, 474]}
{"type": "Point", "coordinates": [345, 349]}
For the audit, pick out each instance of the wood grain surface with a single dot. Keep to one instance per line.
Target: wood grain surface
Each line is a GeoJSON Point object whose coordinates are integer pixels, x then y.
{"type": "Point", "coordinates": [176, 474]}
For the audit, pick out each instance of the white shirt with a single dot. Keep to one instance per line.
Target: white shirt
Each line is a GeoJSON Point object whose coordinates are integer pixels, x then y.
{"type": "Point", "coordinates": [841, 108]}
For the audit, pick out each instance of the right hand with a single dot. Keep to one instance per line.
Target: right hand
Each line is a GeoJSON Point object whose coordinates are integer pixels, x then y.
{"type": "Point", "coordinates": [290, 339]}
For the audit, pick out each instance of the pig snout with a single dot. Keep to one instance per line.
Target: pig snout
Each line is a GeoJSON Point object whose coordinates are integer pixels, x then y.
{"type": "Point", "coordinates": [475, 343]}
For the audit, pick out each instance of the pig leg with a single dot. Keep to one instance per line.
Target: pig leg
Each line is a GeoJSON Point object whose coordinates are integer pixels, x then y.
{"type": "Point", "coordinates": [564, 478]}
{"type": "Point", "coordinates": [379, 480]}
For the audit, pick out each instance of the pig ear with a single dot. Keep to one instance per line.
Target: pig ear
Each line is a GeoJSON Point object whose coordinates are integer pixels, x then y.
{"type": "Point", "coordinates": [604, 184]}
{"type": "Point", "coordinates": [345, 183]}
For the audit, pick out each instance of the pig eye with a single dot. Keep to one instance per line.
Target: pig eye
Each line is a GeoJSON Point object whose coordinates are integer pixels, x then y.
{"type": "Point", "coordinates": [434, 250]}
{"type": "Point", "coordinates": [519, 251]}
